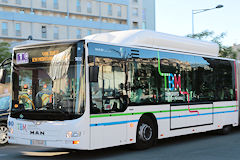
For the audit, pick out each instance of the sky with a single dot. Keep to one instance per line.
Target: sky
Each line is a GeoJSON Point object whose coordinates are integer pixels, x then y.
{"type": "Point", "coordinates": [175, 17]}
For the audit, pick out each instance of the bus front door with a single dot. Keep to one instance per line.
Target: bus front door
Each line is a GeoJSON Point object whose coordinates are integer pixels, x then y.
{"type": "Point", "coordinates": [107, 124]}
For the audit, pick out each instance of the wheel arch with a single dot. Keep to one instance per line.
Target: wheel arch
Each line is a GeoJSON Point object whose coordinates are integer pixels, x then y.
{"type": "Point", "coordinates": [154, 120]}
{"type": "Point", "coordinates": [3, 121]}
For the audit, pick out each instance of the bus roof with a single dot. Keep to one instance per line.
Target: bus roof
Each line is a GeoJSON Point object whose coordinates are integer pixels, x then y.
{"type": "Point", "coordinates": [151, 39]}
{"type": "Point", "coordinates": [144, 38]}
{"type": "Point", "coordinates": [41, 43]}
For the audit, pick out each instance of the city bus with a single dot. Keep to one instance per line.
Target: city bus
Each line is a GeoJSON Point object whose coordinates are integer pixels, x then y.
{"type": "Point", "coordinates": [125, 87]}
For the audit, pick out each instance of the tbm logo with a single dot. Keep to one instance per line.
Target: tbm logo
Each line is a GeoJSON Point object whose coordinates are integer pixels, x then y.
{"type": "Point", "coordinates": [174, 81]}
{"type": "Point", "coordinates": [37, 133]}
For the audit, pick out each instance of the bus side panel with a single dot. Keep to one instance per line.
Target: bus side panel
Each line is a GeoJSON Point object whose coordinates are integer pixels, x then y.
{"type": "Point", "coordinates": [191, 115]}
{"type": "Point", "coordinates": [225, 113]}
{"type": "Point", "coordinates": [108, 131]}
{"type": "Point", "coordinates": [96, 137]}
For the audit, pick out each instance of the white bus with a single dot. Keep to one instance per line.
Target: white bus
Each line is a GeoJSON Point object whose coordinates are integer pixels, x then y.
{"type": "Point", "coordinates": [126, 87]}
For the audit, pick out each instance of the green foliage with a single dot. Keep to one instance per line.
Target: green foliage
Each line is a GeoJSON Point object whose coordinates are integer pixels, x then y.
{"type": "Point", "coordinates": [224, 51]}
{"type": "Point", "coordinates": [228, 52]}
{"type": "Point", "coordinates": [4, 51]}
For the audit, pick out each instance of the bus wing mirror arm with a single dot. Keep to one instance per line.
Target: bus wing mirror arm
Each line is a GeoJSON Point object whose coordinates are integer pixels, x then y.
{"type": "Point", "coordinates": [125, 102]}
{"type": "Point", "coordinates": [3, 73]}
{"type": "Point", "coordinates": [93, 73]}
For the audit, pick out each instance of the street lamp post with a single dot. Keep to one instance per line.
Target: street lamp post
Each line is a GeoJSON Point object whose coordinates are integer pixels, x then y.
{"type": "Point", "coordinates": [196, 11]}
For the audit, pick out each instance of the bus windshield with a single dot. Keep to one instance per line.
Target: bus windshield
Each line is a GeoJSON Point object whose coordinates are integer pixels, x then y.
{"type": "Point", "coordinates": [48, 83]}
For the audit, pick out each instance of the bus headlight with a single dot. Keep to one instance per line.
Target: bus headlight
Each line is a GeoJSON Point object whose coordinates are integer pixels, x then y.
{"type": "Point", "coordinates": [69, 134]}
{"type": "Point", "coordinates": [73, 134]}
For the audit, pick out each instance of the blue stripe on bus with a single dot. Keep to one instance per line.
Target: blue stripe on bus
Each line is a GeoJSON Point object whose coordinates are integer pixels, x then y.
{"type": "Point", "coordinates": [183, 116]}
{"type": "Point", "coordinates": [192, 115]}
{"type": "Point", "coordinates": [112, 123]}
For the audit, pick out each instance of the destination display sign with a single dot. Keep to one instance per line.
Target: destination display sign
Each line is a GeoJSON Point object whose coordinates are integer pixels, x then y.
{"type": "Point", "coordinates": [38, 55]}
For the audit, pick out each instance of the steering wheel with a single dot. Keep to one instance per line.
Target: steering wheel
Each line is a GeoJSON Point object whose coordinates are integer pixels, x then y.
{"type": "Point", "coordinates": [45, 97]}
{"type": "Point", "coordinates": [27, 100]}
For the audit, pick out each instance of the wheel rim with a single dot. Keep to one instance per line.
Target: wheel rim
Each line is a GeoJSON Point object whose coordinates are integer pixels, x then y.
{"type": "Point", "coordinates": [145, 132]}
{"type": "Point", "coordinates": [3, 135]}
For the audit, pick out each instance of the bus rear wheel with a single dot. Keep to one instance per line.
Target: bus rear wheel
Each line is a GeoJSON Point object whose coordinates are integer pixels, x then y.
{"type": "Point", "coordinates": [226, 130]}
{"type": "Point", "coordinates": [146, 134]}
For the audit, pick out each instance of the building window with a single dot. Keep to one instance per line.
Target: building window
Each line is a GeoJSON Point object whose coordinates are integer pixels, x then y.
{"type": "Point", "coordinates": [136, 1]}
{"type": "Point", "coordinates": [56, 33]}
{"type": "Point", "coordinates": [119, 11]}
{"type": "Point", "coordinates": [55, 4]}
{"type": "Point", "coordinates": [135, 12]}
{"type": "Point", "coordinates": [44, 4]}
{"type": "Point", "coordinates": [18, 29]}
{"type": "Point", "coordinates": [109, 9]}
{"type": "Point", "coordinates": [18, 2]}
{"type": "Point", "coordinates": [4, 28]}
{"type": "Point", "coordinates": [79, 33]}
{"type": "Point", "coordinates": [79, 5]}
{"type": "Point", "coordinates": [135, 25]}
{"type": "Point", "coordinates": [44, 32]}
{"type": "Point", "coordinates": [89, 7]}
{"type": "Point", "coordinates": [5, 1]}
{"type": "Point", "coordinates": [89, 32]}
{"type": "Point", "coordinates": [21, 11]}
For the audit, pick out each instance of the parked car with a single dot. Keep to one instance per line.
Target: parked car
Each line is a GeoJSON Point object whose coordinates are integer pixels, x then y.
{"type": "Point", "coordinates": [4, 111]}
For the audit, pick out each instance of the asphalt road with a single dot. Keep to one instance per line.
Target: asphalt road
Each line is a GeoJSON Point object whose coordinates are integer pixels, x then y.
{"type": "Point", "coordinates": [204, 146]}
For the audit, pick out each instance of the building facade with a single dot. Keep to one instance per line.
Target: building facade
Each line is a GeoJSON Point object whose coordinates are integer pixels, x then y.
{"type": "Point", "coordinates": [148, 15]}
{"type": "Point", "coordinates": [67, 19]}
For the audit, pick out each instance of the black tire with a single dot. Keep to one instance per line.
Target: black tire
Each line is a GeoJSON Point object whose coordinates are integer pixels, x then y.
{"type": "Point", "coordinates": [146, 133]}
{"type": "Point", "coordinates": [3, 134]}
{"type": "Point", "coordinates": [226, 130]}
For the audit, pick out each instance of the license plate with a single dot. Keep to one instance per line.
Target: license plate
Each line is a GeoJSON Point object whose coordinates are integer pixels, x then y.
{"type": "Point", "coordinates": [38, 142]}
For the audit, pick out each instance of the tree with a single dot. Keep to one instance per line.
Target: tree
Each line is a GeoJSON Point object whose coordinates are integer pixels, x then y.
{"type": "Point", "coordinates": [224, 51]}
{"type": "Point", "coordinates": [4, 51]}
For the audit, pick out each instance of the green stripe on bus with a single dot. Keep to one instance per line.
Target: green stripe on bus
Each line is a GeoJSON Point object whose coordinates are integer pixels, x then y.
{"type": "Point", "coordinates": [176, 110]}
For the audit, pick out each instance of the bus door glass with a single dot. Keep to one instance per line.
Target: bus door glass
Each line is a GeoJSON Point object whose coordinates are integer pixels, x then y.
{"type": "Point", "coordinates": [109, 92]}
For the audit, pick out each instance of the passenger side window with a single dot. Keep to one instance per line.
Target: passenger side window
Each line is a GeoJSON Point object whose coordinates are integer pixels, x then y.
{"type": "Point", "coordinates": [107, 94]}
{"type": "Point", "coordinates": [203, 79]}
{"type": "Point", "coordinates": [142, 80]}
{"type": "Point", "coordinates": [224, 76]}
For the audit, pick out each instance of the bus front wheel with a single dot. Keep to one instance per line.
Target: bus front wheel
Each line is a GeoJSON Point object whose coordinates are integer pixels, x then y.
{"type": "Point", "coordinates": [3, 134]}
{"type": "Point", "coordinates": [146, 134]}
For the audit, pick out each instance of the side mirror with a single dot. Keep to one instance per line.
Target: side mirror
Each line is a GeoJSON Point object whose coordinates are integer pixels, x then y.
{"type": "Point", "coordinates": [3, 73]}
{"type": "Point", "coordinates": [93, 73]}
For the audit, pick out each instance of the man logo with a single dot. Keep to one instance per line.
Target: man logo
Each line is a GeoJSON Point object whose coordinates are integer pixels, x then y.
{"type": "Point", "coordinates": [40, 133]}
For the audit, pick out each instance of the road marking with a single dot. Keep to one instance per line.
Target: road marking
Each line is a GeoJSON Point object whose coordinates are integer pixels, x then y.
{"type": "Point", "coordinates": [45, 154]}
